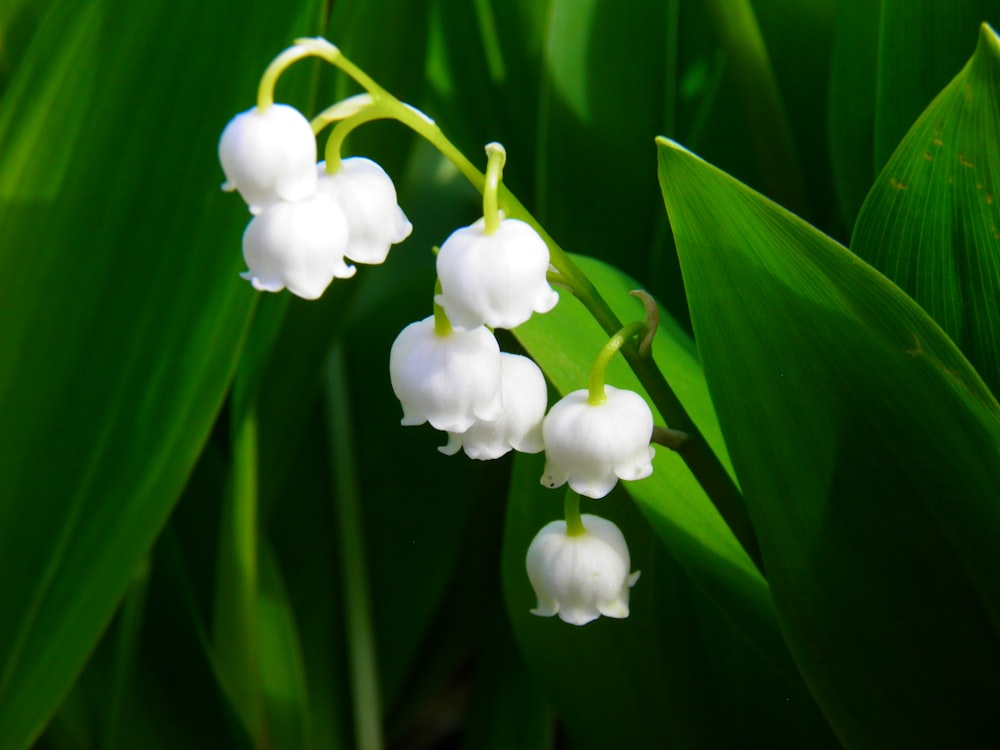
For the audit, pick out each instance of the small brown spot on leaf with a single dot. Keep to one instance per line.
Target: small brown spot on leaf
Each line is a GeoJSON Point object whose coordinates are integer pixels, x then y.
{"type": "Point", "coordinates": [898, 184]}
{"type": "Point", "coordinates": [927, 155]}
{"type": "Point", "coordinates": [964, 161]}
{"type": "Point", "coordinates": [937, 142]}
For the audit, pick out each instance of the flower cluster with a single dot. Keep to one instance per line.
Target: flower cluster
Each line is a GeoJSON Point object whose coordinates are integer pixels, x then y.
{"type": "Point", "coordinates": [311, 219]}
{"type": "Point", "coordinates": [448, 369]}
{"type": "Point", "coordinates": [307, 222]}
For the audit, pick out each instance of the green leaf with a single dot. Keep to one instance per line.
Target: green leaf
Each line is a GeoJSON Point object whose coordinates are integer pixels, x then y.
{"type": "Point", "coordinates": [869, 454]}
{"type": "Point", "coordinates": [709, 560]}
{"type": "Point", "coordinates": [122, 313]}
{"type": "Point", "coordinates": [282, 667]}
{"type": "Point", "coordinates": [920, 45]}
{"type": "Point", "coordinates": [599, 64]}
{"type": "Point", "coordinates": [932, 221]}
{"type": "Point", "coordinates": [851, 103]}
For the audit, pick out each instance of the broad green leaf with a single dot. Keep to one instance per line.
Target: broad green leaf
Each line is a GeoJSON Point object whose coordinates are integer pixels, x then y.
{"type": "Point", "coordinates": [921, 44]}
{"type": "Point", "coordinates": [564, 342]}
{"type": "Point", "coordinates": [932, 221]}
{"type": "Point", "coordinates": [869, 454]}
{"type": "Point", "coordinates": [121, 314]}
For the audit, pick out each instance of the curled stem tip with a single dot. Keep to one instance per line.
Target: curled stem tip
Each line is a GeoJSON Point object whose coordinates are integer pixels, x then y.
{"type": "Point", "coordinates": [672, 439]}
{"type": "Point", "coordinates": [596, 396]}
{"type": "Point", "coordinates": [496, 157]}
{"type": "Point", "coordinates": [571, 511]}
{"type": "Point", "coordinates": [651, 317]}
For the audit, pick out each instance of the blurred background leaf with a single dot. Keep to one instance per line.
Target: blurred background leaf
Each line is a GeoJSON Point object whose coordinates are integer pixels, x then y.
{"type": "Point", "coordinates": [867, 448]}
{"type": "Point", "coordinates": [851, 102]}
{"type": "Point", "coordinates": [121, 318]}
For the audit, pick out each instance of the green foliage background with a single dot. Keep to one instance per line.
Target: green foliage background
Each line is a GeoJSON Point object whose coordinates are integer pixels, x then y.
{"type": "Point", "coordinates": [213, 530]}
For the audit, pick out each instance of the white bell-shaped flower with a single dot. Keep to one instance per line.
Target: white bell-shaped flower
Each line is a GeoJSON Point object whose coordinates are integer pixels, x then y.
{"type": "Point", "coordinates": [583, 576]}
{"type": "Point", "coordinates": [269, 156]}
{"type": "Point", "coordinates": [298, 245]}
{"type": "Point", "coordinates": [593, 446]}
{"type": "Point", "coordinates": [367, 197]}
{"type": "Point", "coordinates": [450, 380]}
{"type": "Point", "coordinates": [522, 387]}
{"type": "Point", "coordinates": [494, 279]}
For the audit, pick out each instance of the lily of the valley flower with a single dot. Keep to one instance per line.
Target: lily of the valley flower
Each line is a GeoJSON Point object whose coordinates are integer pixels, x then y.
{"type": "Point", "coordinates": [495, 279]}
{"type": "Point", "coordinates": [269, 156]}
{"type": "Point", "coordinates": [367, 197]}
{"type": "Point", "coordinates": [448, 379]}
{"type": "Point", "coordinates": [298, 245]}
{"type": "Point", "coordinates": [522, 386]}
{"type": "Point", "coordinates": [583, 576]}
{"type": "Point", "coordinates": [592, 446]}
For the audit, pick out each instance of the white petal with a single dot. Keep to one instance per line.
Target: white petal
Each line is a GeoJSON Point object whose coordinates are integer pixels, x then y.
{"type": "Point", "coordinates": [298, 245]}
{"type": "Point", "coordinates": [592, 446]}
{"type": "Point", "coordinates": [494, 279]}
{"type": "Point", "coordinates": [522, 386]}
{"type": "Point", "coordinates": [449, 381]}
{"type": "Point", "coordinates": [580, 577]}
{"type": "Point", "coordinates": [367, 196]}
{"type": "Point", "coordinates": [269, 156]}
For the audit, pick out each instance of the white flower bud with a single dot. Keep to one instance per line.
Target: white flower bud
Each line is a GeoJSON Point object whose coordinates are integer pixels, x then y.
{"type": "Point", "coordinates": [494, 279]}
{"type": "Point", "coordinates": [367, 197]}
{"type": "Point", "coordinates": [522, 386]}
{"type": "Point", "coordinates": [448, 380]}
{"type": "Point", "coordinates": [299, 245]}
{"type": "Point", "coordinates": [593, 446]}
{"type": "Point", "coordinates": [580, 577]}
{"type": "Point", "coordinates": [269, 156]}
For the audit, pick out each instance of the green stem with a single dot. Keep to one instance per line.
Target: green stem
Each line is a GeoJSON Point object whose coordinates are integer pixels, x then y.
{"type": "Point", "coordinates": [335, 143]}
{"type": "Point", "coordinates": [442, 326]}
{"type": "Point", "coordinates": [361, 651]}
{"type": "Point", "coordinates": [696, 452]}
{"type": "Point", "coordinates": [236, 629]}
{"type": "Point", "coordinates": [739, 35]}
{"type": "Point", "coordinates": [496, 157]}
{"type": "Point", "coordinates": [571, 510]}
{"type": "Point", "coordinates": [596, 395]}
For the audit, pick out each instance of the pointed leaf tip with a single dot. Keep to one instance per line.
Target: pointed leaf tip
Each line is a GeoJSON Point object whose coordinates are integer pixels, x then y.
{"type": "Point", "coordinates": [988, 37]}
